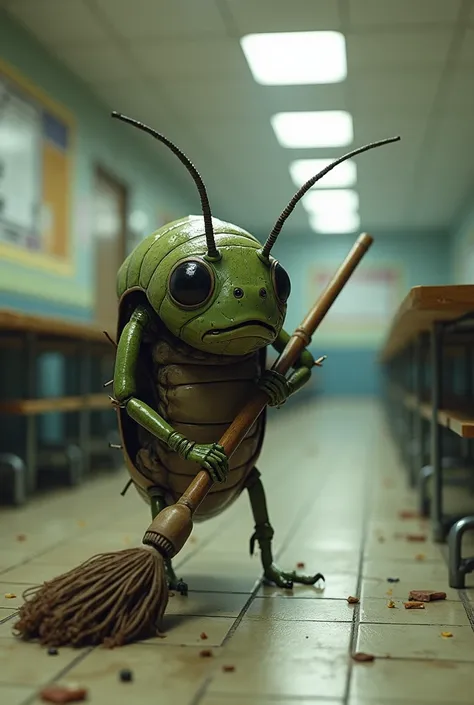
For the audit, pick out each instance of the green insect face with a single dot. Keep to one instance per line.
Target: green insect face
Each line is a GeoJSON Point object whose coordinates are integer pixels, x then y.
{"type": "Point", "coordinates": [230, 307]}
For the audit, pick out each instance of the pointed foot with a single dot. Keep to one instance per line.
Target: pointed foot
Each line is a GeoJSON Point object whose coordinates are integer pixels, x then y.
{"type": "Point", "coordinates": [285, 579]}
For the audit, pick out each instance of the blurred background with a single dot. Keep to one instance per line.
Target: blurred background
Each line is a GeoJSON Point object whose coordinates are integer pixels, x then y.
{"type": "Point", "coordinates": [258, 110]}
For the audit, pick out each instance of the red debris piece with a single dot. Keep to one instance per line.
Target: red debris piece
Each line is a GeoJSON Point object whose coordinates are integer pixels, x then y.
{"type": "Point", "coordinates": [203, 635]}
{"type": "Point", "coordinates": [362, 657]}
{"type": "Point", "coordinates": [21, 537]}
{"type": "Point", "coordinates": [416, 537]}
{"type": "Point", "coordinates": [205, 653]}
{"type": "Point", "coordinates": [63, 694]}
{"type": "Point", "coordinates": [408, 514]}
{"type": "Point", "coordinates": [300, 565]}
{"type": "Point", "coordinates": [353, 600]}
{"type": "Point", "coordinates": [414, 605]}
{"type": "Point", "coordinates": [228, 669]}
{"type": "Point", "coordinates": [426, 595]}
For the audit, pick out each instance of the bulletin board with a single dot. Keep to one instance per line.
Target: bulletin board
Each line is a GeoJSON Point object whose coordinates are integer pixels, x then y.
{"type": "Point", "coordinates": [362, 313]}
{"type": "Point", "coordinates": [37, 139]}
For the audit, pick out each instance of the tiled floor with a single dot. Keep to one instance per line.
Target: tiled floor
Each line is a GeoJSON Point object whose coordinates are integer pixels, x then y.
{"type": "Point", "coordinates": [335, 489]}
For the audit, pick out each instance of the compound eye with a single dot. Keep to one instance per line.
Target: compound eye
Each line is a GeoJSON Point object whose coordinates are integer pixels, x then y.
{"type": "Point", "coordinates": [191, 283]}
{"type": "Point", "coordinates": [281, 282]}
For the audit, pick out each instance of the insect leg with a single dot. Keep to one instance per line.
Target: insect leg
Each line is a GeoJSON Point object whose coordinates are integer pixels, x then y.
{"type": "Point", "coordinates": [158, 503]}
{"type": "Point", "coordinates": [264, 534]}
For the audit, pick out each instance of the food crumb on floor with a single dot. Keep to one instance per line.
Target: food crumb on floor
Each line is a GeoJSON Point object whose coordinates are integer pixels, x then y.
{"type": "Point", "coordinates": [426, 595]}
{"type": "Point", "coordinates": [363, 657]}
{"type": "Point", "coordinates": [414, 605]}
{"type": "Point", "coordinates": [205, 653]}
{"type": "Point", "coordinates": [10, 595]}
{"type": "Point", "coordinates": [353, 600]}
{"type": "Point", "coordinates": [203, 635]}
{"type": "Point", "coordinates": [21, 537]}
{"type": "Point", "coordinates": [126, 675]}
{"type": "Point", "coordinates": [228, 669]}
{"type": "Point", "coordinates": [63, 694]}
{"type": "Point", "coordinates": [391, 604]}
{"type": "Point", "coordinates": [446, 635]}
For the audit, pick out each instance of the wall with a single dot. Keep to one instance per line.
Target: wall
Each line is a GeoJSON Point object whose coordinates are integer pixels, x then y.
{"type": "Point", "coordinates": [353, 369]}
{"type": "Point", "coordinates": [99, 140]}
{"type": "Point", "coordinates": [462, 248]}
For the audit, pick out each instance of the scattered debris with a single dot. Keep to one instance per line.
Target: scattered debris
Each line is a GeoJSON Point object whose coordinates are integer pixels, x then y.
{"type": "Point", "coordinates": [300, 565]}
{"type": "Point", "coordinates": [21, 537]}
{"type": "Point", "coordinates": [426, 595]}
{"type": "Point", "coordinates": [353, 600]}
{"type": "Point", "coordinates": [228, 669]}
{"type": "Point", "coordinates": [380, 539]}
{"type": "Point", "coordinates": [416, 537]}
{"type": "Point", "coordinates": [360, 656]}
{"type": "Point", "coordinates": [389, 592]}
{"type": "Point", "coordinates": [81, 523]}
{"type": "Point", "coordinates": [10, 595]}
{"type": "Point", "coordinates": [52, 651]}
{"type": "Point", "coordinates": [203, 635]}
{"type": "Point", "coordinates": [205, 653]}
{"type": "Point", "coordinates": [393, 580]}
{"type": "Point", "coordinates": [126, 675]}
{"type": "Point", "coordinates": [391, 604]}
{"type": "Point", "coordinates": [63, 694]}
{"type": "Point", "coordinates": [414, 605]}
{"type": "Point", "coordinates": [446, 634]}
{"type": "Point", "coordinates": [420, 557]}
{"type": "Point", "coordinates": [408, 514]}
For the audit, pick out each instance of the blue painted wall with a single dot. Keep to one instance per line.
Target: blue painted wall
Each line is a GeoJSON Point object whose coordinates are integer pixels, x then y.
{"type": "Point", "coordinates": [425, 258]}
{"type": "Point", "coordinates": [99, 140]}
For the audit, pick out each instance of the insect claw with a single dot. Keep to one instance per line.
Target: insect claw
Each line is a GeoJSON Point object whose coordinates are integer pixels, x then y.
{"type": "Point", "coordinates": [107, 384]}
{"type": "Point", "coordinates": [116, 403]}
{"type": "Point", "coordinates": [320, 360]}
{"type": "Point", "coordinates": [115, 445]}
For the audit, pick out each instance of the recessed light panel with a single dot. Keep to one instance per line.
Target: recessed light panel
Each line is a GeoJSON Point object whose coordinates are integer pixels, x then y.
{"type": "Point", "coordinates": [337, 200]}
{"type": "Point", "coordinates": [296, 58]}
{"type": "Point", "coordinates": [332, 223]}
{"type": "Point", "coordinates": [307, 130]}
{"type": "Point", "coordinates": [343, 175]}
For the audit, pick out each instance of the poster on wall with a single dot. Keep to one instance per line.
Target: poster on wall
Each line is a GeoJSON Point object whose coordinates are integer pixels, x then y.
{"type": "Point", "coordinates": [363, 311]}
{"type": "Point", "coordinates": [35, 173]}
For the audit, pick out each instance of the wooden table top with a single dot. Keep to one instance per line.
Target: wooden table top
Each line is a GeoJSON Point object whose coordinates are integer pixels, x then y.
{"type": "Point", "coordinates": [16, 321]}
{"type": "Point", "coordinates": [423, 306]}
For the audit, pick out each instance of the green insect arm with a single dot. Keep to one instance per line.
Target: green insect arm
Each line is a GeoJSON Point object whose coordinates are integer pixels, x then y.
{"type": "Point", "coordinates": [211, 456]}
{"type": "Point", "coordinates": [279, 388]}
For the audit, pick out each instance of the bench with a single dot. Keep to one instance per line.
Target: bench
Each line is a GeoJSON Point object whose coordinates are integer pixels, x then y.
{"type": "Point", "coordinates": [86, 361]}
{"type": "Point", "coordinates": [427, 360]}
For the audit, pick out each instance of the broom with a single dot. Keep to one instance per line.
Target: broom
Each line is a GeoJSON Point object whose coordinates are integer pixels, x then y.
{"type": "Point", "coordinates": [117, 598]}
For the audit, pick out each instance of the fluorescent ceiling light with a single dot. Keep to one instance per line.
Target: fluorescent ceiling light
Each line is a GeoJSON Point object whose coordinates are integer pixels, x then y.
{"type": "Point", "coordinates": [304, 130]}
{"type": "Point", "coordinates": [296, 58]}
{"type": "Point", "coordinates": [342, 176]}
{"type": "Point", "coordinates": [339, 200]}
{"type": "Point", "coordinates": [330, 223]}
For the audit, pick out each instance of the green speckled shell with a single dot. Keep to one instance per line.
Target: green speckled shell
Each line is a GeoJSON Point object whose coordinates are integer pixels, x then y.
{"type": "Point", "coordinates": [139, 267]}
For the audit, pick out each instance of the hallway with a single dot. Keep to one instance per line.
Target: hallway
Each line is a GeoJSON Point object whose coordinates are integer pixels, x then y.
{"type": "Point", "coordinates": [335, 491]}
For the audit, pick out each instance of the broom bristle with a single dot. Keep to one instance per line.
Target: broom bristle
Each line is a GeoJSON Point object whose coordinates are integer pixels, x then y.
{"type": "Point", "coordinates": [111, 599]}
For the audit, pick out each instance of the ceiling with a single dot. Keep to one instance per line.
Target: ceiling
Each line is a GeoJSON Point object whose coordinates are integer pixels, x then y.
{"type": "Point", "coordinates": [178, 65]}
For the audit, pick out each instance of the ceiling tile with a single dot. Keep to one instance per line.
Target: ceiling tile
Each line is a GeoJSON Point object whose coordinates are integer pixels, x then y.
{"type": "Point", "coordinates": [402, 93]}
{"type": "Point", "coordinates": [59, 22]}
{"type": "Point", "coordinates": [249, 16]}
{"type": "Point", "coordinates": [458, 95]}
{"type": "Point", "coordinates": [367, 13]}
{"type": "Point", "coordinates": [409, 50]}
{"type": "Point", "coordinates": [104, 63]}
{"type": "Point", "coordinates": [465, 56]}
{"type": "Point", "coordinates": [162, 18]}
{"type": "Point", "coordinates": [208, 59]}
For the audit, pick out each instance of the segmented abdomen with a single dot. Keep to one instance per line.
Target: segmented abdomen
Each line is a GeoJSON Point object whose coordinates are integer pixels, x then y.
{"type": "Point", "coordinates": [200, 396]}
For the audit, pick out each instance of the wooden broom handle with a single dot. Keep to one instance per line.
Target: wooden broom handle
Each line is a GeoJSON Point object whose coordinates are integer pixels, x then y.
{"type": "Point", "coordinates": [301, 338]}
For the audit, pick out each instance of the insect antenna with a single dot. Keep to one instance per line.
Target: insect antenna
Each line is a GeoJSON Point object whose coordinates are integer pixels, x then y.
{"type": "Point", "coordinates": [212, 251]}
{"type": "Point", "coordinates": [272, 238]}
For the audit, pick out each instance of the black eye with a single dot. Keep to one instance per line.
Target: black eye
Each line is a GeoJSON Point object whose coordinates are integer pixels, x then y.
{"type": "Point", "coordinates": [191, 283]}
{"type": "Point", "coordinates": [282, 283]}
